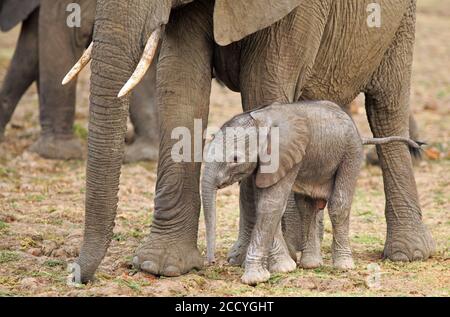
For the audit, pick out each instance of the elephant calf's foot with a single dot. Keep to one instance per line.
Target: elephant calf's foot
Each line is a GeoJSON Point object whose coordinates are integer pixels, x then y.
{"type": "Point", "coordinates": [343, 262]}
{"type": "Point", "coordinates": [141, 150]}
{"type": "Point", "coordinates": [236, 256]}
{"type": "Point", "coordinates": [311, 260]}
{"type": "Point", "coordinates": [56, 148]}
{"type": "Point", "coordinates": [414, 244]}
{"type": "Point", "coordinates": [255, 274]}
{"type": "Point", "coordinates": [169, 260]}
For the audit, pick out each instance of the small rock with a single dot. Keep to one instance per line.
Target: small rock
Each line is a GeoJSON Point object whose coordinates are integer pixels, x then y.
{"type": "Point", "coordinates": [72, 251]}
{"type": "Point", "coordinates": [430, 105]}
{"type": "Point", "coordinates": [48, 247]}
{"type": "Point", "coordinates": [35, 251]}
{"type": "Point", "coordinates": [59, 253]}
{"type": "Point", "coordinates": [8, 218]}
{"type": "Point", "coordinates": [29, 283]}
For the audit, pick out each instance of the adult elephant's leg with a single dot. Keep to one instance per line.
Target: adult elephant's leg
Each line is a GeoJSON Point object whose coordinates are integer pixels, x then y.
{"type": "Point", "coordinates": [372, 156]}
{"type": "Point", "coordinates": [58, 52]}
{"type": "Point", "coordinates": [144, 117]}
{"type": "Point", "coordinates": [22, 72]}
{"type": "Point", "coordinates": [184, 84]}
{"type": "Point", "coordinates": [264, 79]}
{"type": "Point", "coordinates": [387, 103]}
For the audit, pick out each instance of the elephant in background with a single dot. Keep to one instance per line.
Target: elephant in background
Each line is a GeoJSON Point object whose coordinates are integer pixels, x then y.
{"type": "Point", "coordinates": [270, 51]}
{"type": "Point", "coordinates": [45, 51]}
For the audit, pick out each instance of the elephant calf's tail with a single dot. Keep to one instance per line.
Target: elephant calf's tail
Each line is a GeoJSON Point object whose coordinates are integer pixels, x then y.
{"type": "Point", "coordinates": [415, 147]}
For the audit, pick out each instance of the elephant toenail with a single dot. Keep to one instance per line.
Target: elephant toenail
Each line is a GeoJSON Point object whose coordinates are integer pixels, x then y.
{"type": "Point", "coordinates": [172, 271]}
{"type": "Point", "coordinates": [150, 267]}
{"type": "Point", "coordinates": [418, 256]}
{"type": "Point", "coordinates": [400, 257]}
{"type": "Point", "coordinates": [136, 262]}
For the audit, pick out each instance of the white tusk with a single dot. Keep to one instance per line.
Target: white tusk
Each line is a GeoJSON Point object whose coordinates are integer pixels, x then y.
{"type": "Point", "coordinates": [82, 62]}
{"type": "Point", "coordinates": [144, 64]}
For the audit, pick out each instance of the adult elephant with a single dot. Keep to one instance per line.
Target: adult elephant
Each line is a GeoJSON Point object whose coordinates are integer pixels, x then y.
{"type": "Point", "coordinates": [271, 51]}
{"type": "Point", "coordinates": [46, 50]}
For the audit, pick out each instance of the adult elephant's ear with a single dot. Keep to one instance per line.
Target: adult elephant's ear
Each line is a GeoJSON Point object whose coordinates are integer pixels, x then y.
{"type": "Point", "coordinates": [12, 12]}
{"type": "Point", "coordinates": [235, 19]}
{"type": "Point", "coordinates": [287, 145]}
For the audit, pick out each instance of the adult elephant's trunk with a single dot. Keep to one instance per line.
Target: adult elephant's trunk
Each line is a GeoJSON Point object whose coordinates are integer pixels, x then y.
{"type": "Point", "coordinates": [119, 37]}
{"type": "Point", "coordinates": [209, 195]}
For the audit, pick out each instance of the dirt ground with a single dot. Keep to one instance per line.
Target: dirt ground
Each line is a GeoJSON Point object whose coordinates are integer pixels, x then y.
{"type": "Point", "coordinates": [42, 204]}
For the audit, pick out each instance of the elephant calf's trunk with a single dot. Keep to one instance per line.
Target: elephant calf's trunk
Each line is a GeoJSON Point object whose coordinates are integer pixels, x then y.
{"type": "Point", "coordinates": [209, 195]}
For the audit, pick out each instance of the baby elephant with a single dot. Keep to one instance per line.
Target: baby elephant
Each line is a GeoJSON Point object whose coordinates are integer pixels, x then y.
{"type": "Point", "coordinates": [311, 148]}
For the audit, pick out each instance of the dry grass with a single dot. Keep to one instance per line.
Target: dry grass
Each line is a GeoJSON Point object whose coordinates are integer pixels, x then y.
{"type": "Point", "coordinates": [42, 204]}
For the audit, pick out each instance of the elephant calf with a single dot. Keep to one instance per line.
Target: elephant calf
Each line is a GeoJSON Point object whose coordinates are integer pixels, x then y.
{"type": "Point", "coordinates": [320, 155]}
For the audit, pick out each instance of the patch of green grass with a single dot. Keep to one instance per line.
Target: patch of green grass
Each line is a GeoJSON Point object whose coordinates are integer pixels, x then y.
{"type": "Point", "coordinates": [54, 263]}
{"type": "Point", "coordinates": [136, 234]}
{"type": "Point", "coordinates": [7, 172]}
{"type": "Point", "coordinates": [133, 285]}
{"type": "Point", "coordinates": [8, 256]}
{"type": "Point", "coordinates": [276, 278]}
{"type": "Point", "coordinates": [440, 198]}
{"type": "Point", "coordinates": [3, 226]}
{"type": "Point", "coordinates": [55, 277]}
{"type": "Point", "coordinates": [366, 239]}
{"type": "Point", "coordinates": [36, 198]}
{"type": "Point", "coordinates": [80, 131]}
{"type": "Point", "coordinates": [118, 236]}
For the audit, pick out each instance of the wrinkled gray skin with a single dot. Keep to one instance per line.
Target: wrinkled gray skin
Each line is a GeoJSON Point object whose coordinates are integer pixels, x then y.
{"type": "Point", "coordinates": [270, 51]}
{"type": "Point", "coordinates": [319, 162]}
{"type": "Point", "coordinates": [46, 59]}
{"type": "Point", "coordinates": [372, 157]}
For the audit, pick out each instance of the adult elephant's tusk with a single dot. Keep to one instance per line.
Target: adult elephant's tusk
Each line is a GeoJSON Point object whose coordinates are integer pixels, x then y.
{"type": "Point", "coordinates": [144, 64]}
{"type": "Point", "coordinates": [78, 67]}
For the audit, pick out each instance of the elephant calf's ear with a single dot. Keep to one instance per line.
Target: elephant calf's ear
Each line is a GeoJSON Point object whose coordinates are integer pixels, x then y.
{"type": "Point", "coordinates": [235, 19]}
{"type": "Point", "coordinates": [294, 136]}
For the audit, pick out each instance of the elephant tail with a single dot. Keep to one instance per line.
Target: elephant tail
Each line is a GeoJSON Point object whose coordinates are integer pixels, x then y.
{"type": "Point", "coordinates": [415, 147]}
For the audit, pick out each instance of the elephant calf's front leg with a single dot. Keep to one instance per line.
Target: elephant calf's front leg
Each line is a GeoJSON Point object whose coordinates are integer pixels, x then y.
{"type": "Point", "coordinates": [270, 205]}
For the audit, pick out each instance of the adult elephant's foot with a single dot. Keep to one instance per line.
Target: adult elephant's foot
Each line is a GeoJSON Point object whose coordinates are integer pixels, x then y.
{"type": "Point", "coordinates": [167, 259]}
{"type": "Point", "coordinates": [280, 260]}
{"type": "Point", "coordinates": [237, 254]}
{"type": "Point", "coordinates": [58, 148]}
{"type": "Point", "coordinates": [142, 149]}
{"type": "Point", "coordinates": [343, 263]}
{"type": "Point", "coordinates": [411, 244]}
{"type": "Point", "coordinates": [310, 260]}
{"type": "Point", "coordinates": [281, 263]}
{"type": "Point", "coordinates": [255, 274]}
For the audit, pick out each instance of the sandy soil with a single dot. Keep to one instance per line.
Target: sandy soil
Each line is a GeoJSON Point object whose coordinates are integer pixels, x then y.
{"type": "Point", "coordinates": [42, 204]}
